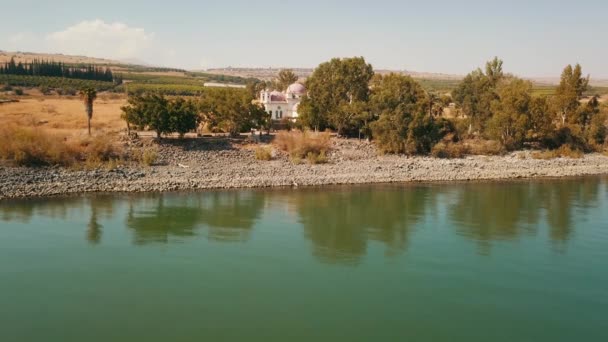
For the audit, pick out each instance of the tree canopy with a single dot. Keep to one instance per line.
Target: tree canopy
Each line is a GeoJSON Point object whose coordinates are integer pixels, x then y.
{"type": "Point", "coordinates": [336, 90]}
{"type": "Point", "coordinates": [285, 78]}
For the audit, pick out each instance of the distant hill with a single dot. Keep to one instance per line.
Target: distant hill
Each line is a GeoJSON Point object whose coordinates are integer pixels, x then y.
{"type": "Point", "coordinates": [29, 56]}
{"type": "Point", "coordinates": [270, 73]}
{"type": "Point", "coordinates": [439, 81]}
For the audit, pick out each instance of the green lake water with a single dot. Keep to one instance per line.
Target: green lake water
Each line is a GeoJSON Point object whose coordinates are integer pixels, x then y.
{"type": "Point", "coordinates": [513, 261]}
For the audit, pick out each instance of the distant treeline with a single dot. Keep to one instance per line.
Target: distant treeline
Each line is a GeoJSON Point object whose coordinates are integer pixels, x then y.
{"type": "Point", "coordinates": [143, 68]}
{"type": "Point", "coordinates": [58, 69]}
{"type": "Point", "coordinates": [219, 78]}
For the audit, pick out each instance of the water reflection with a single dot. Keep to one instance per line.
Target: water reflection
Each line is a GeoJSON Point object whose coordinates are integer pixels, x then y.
{"type": "Point", "coordinates": [227, 216]}
{"type": "Point", "coordinates": [340, 223]}
{"type": "Point", "coordinates": [508, 211]}
{"type": "Point", "coordinates": [100, 208]}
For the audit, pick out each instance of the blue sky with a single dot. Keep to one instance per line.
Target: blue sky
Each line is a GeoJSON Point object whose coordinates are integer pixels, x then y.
{"type": "Point", "coordinates": [534, 38]}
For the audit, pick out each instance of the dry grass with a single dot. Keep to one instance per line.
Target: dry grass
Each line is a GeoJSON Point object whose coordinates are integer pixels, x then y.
{"type": "Point", "coordinates": [263, 153]}
{"type": "Point", "coordinates": [64, 115]}
{"type": "Point", "coordinates": [563, 152]}
{"type": "Point", "coordinates": [304, 145]}
{"type": "Point", "coordinates": [24, 146]}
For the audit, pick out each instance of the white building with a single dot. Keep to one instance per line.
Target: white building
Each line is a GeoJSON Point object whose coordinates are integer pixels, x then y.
{"type": "Point", "coordinates": [283, 105]}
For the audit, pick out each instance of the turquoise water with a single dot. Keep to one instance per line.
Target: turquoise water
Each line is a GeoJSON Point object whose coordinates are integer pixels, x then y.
{"type": "Point", "coordinates": [516, 261]}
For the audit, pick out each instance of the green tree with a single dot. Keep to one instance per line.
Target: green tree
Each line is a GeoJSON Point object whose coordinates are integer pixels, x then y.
{"type": "Point", "coordinates": [310, 115]}
{"type": "Point", "coordinates": [133, 112]}
{"type": "Point", "coordinates": [149, 111]}
{"type": "Point", "coordinates": [231, 110]}
{"type": "Point", "coordinates": [475, 94]}
{"type": "Point", "coordinates": [88, 96]}
{"type": "Point", "coordinates": [156, 114]}
{"type": "Point", "coordinates": [336, 88]}
{"type": "Point", "coordinates": [541, 121]}
{"type": "Point", "coordinates": [511, 120]}
{"type": "Point", "coordinates": [183, 116]}
{"type": "Point", "coordinates": [592, 119]}
{"type": "Point", "coordinates": [255, 87]}
{"type": "Point", "coordinates": [569, 93]}
{"type": "Point", "coordinates": [285, 78]}
{"type": "Point", "coordinates": [395, 101]}
{"type": "Point", "coordinates": [494, 71]}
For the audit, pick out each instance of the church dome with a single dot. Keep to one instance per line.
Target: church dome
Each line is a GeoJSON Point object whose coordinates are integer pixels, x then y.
{"type": "Point", "coordinates": [296, 88]}
{"type": "Point", "coordinates": [277, 96]}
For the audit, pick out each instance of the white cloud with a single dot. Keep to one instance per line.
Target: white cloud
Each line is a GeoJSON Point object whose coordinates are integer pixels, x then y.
{"type": "Point", "coordinates": [100, 39]}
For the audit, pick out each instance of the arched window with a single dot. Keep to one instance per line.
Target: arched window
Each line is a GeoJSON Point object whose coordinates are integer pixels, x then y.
{"type": "Point", "coordinates": [281, 114]}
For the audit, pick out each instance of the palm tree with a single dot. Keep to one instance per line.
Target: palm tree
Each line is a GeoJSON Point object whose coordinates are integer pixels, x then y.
{"type": "Point", "coordinates": [88, 96]}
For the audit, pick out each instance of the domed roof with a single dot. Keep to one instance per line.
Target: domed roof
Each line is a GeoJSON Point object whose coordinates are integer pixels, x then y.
{"type": "Point", "coordinates": [296, 88]}
{"type": "Point", "coordinates": [277, 96]}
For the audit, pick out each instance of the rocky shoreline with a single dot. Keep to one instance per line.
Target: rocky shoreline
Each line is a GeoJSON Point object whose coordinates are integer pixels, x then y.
{"type": "Point", "coordinates": [221, 164]}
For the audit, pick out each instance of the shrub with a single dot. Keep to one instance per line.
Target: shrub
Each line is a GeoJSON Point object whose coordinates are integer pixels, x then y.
{"type": "Point", "coordinates": [19, 92]}
{"type": "Point", "coordinates": [412, 135]}
{"type": "Point", "coordinates": [100, 149]}
{"type": "Point", "coordinates": [571, 135]}
{"type": "Point", "coordinates": [485, 147]}
{"type": "Point", "coordinates": [263, 153]}
{"type": "Point", "coordinates": [149, 156]}
{"type": "Point", "coordinates": [45, 90]}
{"type": "Point", "coordinates": [66, 91]}
{"type": "Point", "coordinates": [449, 150]}
{"type": "Point", "coordinates": [300, 145]}
{"type": "Point", "coordinates": [314, 158]}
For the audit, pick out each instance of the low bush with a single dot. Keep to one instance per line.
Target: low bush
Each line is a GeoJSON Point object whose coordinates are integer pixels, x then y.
{"type": "Point", "coordinates": [450, 150]}
{"type": "Point", "coordinates": [304, 145]}
{"type": "Point", "coordinates": [263, 153]}
{"type": "Point", "coordinates": [314, 158]}
{"type": "Point", "coordinates": [147, 155]}
{"type": "Point", "coordinates": [563, 152]}
{"type": "Point", "coordinates": [99, 150]}
{"type": "Point", "coordinates": [485, 147]}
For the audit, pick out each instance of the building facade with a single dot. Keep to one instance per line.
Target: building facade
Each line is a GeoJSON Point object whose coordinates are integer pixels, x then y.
{"type": "Point", "coordinates": [283, 105]}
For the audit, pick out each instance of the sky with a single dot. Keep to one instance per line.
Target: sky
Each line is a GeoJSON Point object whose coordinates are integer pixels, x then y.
{"type": "Point", "coordinates": [534, 38]}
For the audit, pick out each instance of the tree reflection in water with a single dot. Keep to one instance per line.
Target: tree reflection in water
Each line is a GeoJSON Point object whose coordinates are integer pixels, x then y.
{"type": "Point", "coordinates": [101, 208]}
{"type": "Point", "coordinates": [340, 223]}
{"type": "Point", "coordinates": [227, 216]}
{"type": "Point", "coordinates": [507, 211]}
